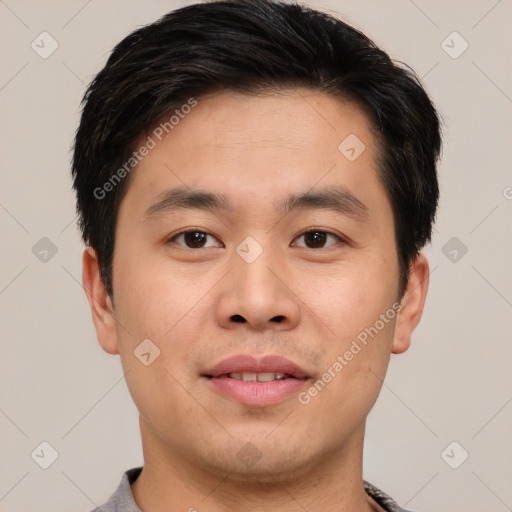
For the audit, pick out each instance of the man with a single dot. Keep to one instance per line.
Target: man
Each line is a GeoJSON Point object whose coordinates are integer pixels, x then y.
{"type": "Point", "coordinates": [255, 182]}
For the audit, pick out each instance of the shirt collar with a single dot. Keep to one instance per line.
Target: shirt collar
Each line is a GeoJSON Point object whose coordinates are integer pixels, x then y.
{"type": "Point", "coordinates": [122, 500]}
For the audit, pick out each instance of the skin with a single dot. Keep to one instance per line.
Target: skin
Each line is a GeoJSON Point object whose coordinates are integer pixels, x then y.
{"type": "Point", "coordinates": [256, 150]}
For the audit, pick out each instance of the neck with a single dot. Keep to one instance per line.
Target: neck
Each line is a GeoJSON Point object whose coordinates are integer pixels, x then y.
{"type": "Point", "coordinates": [333, 483]}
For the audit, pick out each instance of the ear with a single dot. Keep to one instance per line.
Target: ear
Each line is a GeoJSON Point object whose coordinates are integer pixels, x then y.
{"type": "Point", "coordinates": [412, 303]}
{"type": "Point", "coordinates": [102, 310]}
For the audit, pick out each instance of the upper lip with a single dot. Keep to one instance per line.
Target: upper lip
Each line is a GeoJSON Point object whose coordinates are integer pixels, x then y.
{"type": "Point", "coordinates": [248, 363]}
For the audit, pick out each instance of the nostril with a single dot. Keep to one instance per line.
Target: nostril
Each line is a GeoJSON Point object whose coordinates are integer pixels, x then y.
{"type": "Point", "coordinates": [238, 318]}
{"type": "Point", "coordinates": [278, 318]}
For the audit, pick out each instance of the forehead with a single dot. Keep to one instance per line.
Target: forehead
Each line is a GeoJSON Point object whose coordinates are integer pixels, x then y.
{"type": "Point", "coordinates": [255, 148]}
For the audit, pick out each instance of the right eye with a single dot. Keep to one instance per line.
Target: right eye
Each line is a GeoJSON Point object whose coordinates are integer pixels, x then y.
{"type": "Point", "coordinates": [193, 239]}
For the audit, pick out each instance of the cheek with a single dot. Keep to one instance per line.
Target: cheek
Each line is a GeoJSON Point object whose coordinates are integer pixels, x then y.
{"type": "Point", "coordinates": [356, 350]}
{"type": "Point", "coordinates": [349, 300]}
{"type": "Point", "coordinates": [157, 301]}
{"type": "Point", "coordinates": [355, 340]}
{"type": "Point", "coordinates": [151, 294]}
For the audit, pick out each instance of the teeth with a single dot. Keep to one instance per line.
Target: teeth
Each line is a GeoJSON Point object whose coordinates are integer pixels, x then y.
{"type": "Point", "coordinates": [260, 377]}
{"type": "Point", "coordinates": [266, 377]}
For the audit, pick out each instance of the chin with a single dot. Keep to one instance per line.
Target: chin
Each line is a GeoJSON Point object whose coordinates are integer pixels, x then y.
{"type": "Point", "coordinates": [266, 473]}
{"type": "Point", "coordinates": [260, 462]}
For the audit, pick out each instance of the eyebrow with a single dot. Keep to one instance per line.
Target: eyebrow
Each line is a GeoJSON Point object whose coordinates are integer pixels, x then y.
{"type": "Point", "coordinates": [335, 198]}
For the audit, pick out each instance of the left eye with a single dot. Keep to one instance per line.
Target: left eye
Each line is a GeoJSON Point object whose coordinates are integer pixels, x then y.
{"type": "Point", "coordinates": [317, 237]}
{"type": "Point", "coordinates": [193, 239]}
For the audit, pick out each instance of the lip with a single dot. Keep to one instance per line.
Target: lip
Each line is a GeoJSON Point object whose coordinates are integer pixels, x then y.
{"type": "Point", "coordinates": [247, 363]}
{"type": "Point", "coordinates": [256, 394]}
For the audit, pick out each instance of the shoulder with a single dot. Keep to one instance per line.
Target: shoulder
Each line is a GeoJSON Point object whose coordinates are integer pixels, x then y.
{"type": "Point", "coordinates": [122, 498]}
{"type": "Point", "coordinates": [383, 499]}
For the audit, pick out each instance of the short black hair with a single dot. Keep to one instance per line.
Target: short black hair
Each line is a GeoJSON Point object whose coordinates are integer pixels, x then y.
{"type": "Point", "coordinates": [253, 46]}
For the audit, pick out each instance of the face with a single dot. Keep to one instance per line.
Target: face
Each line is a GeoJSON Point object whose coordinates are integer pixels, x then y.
{"type": "Point", "coordinates": [297, 260]}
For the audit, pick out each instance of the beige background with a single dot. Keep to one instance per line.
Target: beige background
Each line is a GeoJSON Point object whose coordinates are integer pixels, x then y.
{"type": "Point", "coordinates": [454, 384]}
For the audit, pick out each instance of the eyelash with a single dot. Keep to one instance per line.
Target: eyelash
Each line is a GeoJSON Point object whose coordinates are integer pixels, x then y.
{"type": "Point", "coordinates": [309, 230]}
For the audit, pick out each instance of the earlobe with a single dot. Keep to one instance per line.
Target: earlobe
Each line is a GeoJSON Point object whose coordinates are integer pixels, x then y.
{"type": "Point", "coordinates": [412, 303]}
{"type": "Point", "coordinates": [100, 303]}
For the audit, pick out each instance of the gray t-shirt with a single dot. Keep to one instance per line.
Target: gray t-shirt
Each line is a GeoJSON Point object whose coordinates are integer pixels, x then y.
{"type": "Point", "coordinates": [122, 499]}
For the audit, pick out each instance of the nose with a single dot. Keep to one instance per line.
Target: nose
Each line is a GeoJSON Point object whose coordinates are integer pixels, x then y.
{"type": "Point", "coordinates": [258, 295]}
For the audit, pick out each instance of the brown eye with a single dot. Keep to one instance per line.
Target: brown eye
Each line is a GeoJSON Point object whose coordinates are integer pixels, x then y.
{"type": "Point", "coordinates": [316, 239]}
{"type": "Point", "coordinates": [192, 239]}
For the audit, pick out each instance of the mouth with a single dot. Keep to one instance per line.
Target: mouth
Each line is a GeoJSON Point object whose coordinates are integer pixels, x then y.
{"type": "Point", "coordinates": [251, 368]}
{"type": "Point", "coordinates": [256, 382]}
{"type": "Point", "coordinates": [255, 377]}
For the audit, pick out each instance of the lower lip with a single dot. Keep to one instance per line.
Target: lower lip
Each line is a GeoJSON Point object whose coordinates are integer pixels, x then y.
{"type": "Point", "coordinates": [257, 393]}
